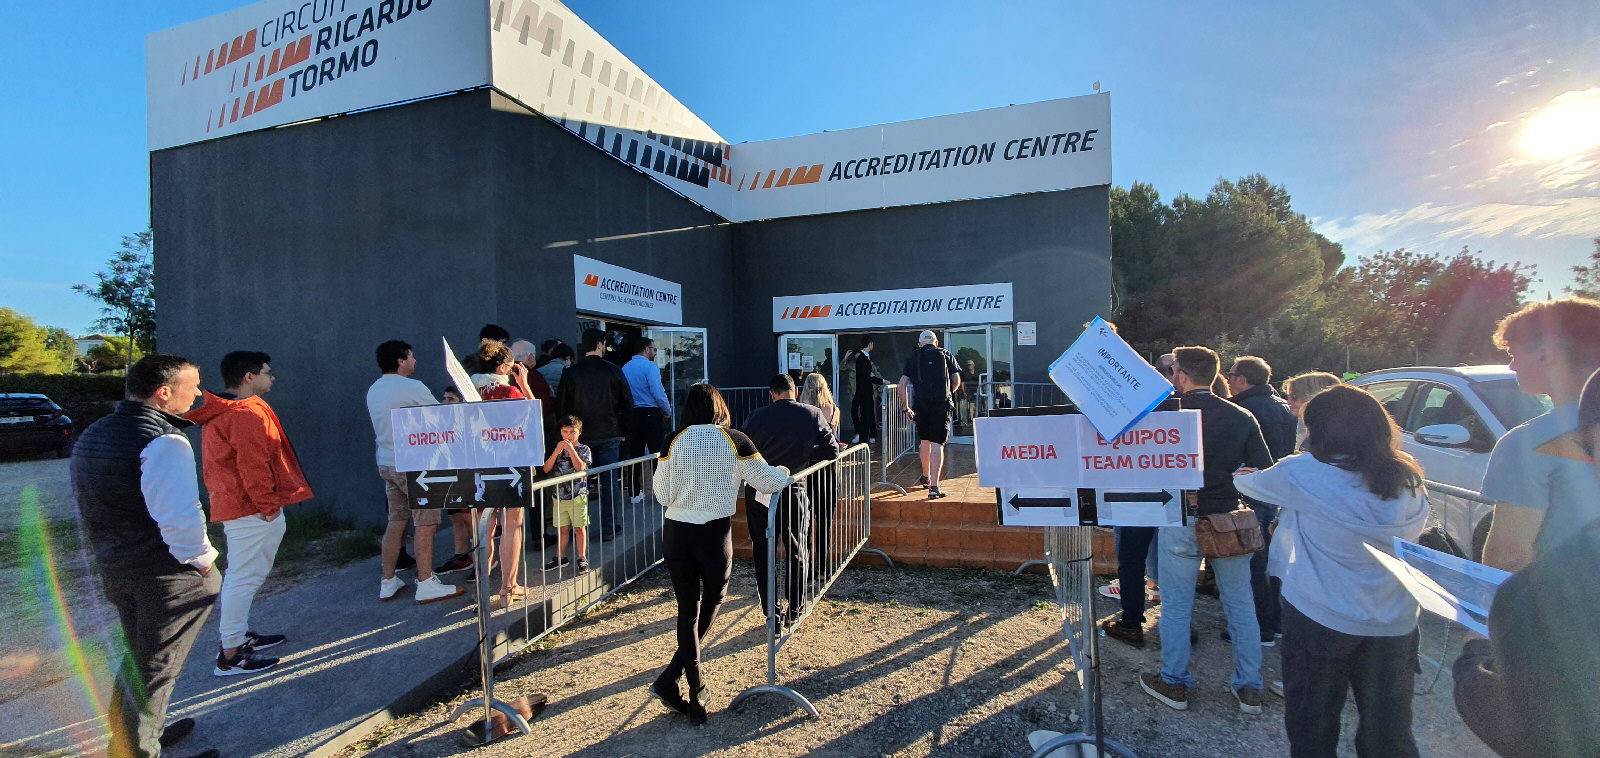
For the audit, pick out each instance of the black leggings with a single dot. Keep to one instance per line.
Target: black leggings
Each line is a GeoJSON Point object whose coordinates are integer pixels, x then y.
{"type": "Point", "coordinates": [699, 559]}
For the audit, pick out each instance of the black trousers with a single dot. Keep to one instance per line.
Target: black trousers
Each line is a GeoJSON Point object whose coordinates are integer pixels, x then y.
{"type": "Point", "coordinates": [792, 530]}
{"type": "Point", "coordinates": [1322, 666]}
{"type": "Point", "coordinates": [1133, 551]}
{"type": "Point", "coordinates": [646, 431]}
{"type": "Point", "coordinates": [161, 617]}
{"type": "Point", "coordinates": [1265, 588]}
{"type": "Point", "coordinates": [699, 559]}
{"type": "Point", "coordinates": [864, 413]}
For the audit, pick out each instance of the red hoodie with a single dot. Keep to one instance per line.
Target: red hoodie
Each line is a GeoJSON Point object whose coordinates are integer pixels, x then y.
{"type": "Point", "coordinates": [250, 467]}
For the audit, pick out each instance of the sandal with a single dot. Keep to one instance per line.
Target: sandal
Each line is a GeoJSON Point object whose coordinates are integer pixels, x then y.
{"type": "Point", "coordinates": [514, 593]}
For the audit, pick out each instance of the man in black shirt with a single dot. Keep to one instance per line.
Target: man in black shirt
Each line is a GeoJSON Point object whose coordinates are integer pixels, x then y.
{"type": "Point", "coordinates": [933, 376]}
{"type": "Point", "coordinates": [1231, 439]}
{"type": "Point", "coordinates": [594, 390]}
{"type": "Point", "coordinates": [793, 435]}
{"type": "Point", "coordinates": [1250, 381]}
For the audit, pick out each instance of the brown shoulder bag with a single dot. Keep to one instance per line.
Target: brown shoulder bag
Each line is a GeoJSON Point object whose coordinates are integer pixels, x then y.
{"type": "Point", "coordinates": [1229, 535]}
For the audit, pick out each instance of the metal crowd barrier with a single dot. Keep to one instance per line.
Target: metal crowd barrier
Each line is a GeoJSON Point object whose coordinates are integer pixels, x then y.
{"type": "Point", "coordinates": [1028, 395]}
{"type": "Point", "coordinates": [1069, 552]}
{"type": "Point", "coordinates": [824, 517]}
{"type": "Point", "coordinates": [508, 625]}
{"type": "Point", "coordinates": [897, 437]}
{"type": "Point", "coordinates": [1457, 509]}
{"type": "Point", "coordinates": [743, 401]}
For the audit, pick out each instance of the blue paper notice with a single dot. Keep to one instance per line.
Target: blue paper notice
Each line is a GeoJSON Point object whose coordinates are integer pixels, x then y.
{"type": "Point", "coordinates": [1110, 383]}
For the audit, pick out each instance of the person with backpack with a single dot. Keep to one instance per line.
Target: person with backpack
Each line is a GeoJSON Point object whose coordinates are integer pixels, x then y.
{"type": "Point", "coordinates": [929, 380]}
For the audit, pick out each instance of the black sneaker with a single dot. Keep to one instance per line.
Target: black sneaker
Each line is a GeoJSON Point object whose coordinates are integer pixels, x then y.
{"type": "Point", "coordinates": [461, 562]}
{"type": "Point", "coordinates": [922, 481]}
{"type": "Point", "coordinates": [556, 563]}
{"type": "Point", "coordinates": [176, 732]}
{"type": "Point", "coordinates": [583, 565]}
{"type": "Point", "coordinates": [262, 641]}
{"type": "Point", "coordinates": [1268, 639]}
{"type": "Point", "coordinates": [405, 562]}
{"type": "Point", "coordinates": [242, 663]}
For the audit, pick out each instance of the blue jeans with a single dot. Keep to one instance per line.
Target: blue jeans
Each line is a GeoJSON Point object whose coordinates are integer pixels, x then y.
{"type": "Point", "coordinates": [603, 507]}
{"type": "Point", "coordinates": [1180, 563]}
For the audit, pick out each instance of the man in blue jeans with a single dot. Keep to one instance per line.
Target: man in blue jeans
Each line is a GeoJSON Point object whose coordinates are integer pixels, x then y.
{"type": "Point", "coordinates": [1230, 438]}
{"type": "Point", "coordinates": [594, 390]}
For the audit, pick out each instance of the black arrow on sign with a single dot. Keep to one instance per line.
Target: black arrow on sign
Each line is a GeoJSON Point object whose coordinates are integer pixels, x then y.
{"type": "Point", "coordinates": [1159, 496]}
{"type": "Point", "coordinates": [1018, 501]}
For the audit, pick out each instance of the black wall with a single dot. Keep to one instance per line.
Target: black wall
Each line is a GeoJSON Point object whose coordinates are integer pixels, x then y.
{"type": "Point", "coordinates": [318, 241]}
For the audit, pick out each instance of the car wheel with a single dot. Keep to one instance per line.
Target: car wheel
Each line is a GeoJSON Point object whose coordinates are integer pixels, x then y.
{"type": "Point", "coordinates": [1480, 536]}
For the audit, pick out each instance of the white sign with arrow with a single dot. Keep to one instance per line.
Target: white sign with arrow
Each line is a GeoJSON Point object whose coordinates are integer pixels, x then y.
{"type": "Point", "coordinates": [1037, 506]}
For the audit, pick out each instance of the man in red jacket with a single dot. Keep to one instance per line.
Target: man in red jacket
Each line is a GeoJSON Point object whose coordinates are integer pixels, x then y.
{"type": "Point", "coordinates": [251, 473]}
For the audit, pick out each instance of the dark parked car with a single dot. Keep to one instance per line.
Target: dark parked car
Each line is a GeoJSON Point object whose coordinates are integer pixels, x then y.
{"type": "Point", "coordinates": [34, 422]}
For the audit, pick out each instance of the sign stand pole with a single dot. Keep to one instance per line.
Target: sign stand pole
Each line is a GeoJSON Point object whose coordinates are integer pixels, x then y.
{"type": "Point", "coordinates": [482, 733]}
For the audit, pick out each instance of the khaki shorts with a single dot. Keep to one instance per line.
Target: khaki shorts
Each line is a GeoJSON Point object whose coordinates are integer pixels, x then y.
{"type": "Point", "coordinates": [394, 490]}
{"type": "Point", "coordinates": [574, 512]}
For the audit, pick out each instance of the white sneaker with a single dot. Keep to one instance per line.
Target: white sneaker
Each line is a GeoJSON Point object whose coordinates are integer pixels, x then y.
{"type": "Point", "coordinates": [637, 499]}
{"type": "Point", "coordinates": [388, 587]}
{"type": "Point", "coordinates": [431, 590]}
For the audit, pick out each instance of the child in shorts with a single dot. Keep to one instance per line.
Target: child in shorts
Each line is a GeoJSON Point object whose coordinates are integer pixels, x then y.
{"type": "Point", "coordinates": [572, 498]}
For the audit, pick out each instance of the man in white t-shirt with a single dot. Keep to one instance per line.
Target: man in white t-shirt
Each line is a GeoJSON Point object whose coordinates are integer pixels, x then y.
{"type": "Point", "coordinates": [396, 389]}
{"type": "Point", "coordinates": [1541, 499]}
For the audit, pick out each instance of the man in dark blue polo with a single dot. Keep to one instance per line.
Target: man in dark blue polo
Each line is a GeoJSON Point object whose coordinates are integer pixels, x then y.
{"type": "Point", "coordinates": [793, 435]}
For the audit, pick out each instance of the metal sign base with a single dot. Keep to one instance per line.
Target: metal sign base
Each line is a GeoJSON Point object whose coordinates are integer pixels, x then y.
{"type": "Point", "coordinates": [776, 689]}
{"type": "Point", "coordinates": [1086, 746]}
{"type": "Point", "coordinates": [482, 732]}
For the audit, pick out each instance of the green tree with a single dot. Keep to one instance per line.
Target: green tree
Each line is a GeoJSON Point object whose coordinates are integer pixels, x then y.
{"type": "Point", "coordinates": [1212, 270]}
{"type": "Point", "coordinates": [60, 344]}
{"type": "Point", "coordinates": [1586, 278]}
{"type": "Point", "coordinates": [126, 291]}
{"type": "Point", "coordinates": [1414, 308]}
{"type": "Point", "coordinates": [111, 356]}
{"type": "Point", "coordinates": [23, 346]}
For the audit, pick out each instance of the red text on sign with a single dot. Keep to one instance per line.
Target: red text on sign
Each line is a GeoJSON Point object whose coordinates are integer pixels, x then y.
{"type": "Point", "coordinates": [1028, 452]}
{"type": "Point", "coordinates": [502, 434]}
{"type": "Point", "coordinates": [1149, 461]}
{"type": "Point", "coordinates": [417, 439]}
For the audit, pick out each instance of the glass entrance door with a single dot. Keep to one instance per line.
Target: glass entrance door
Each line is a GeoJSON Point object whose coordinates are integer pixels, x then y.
{"type": "Point", "coordinates": [681, 354]}
{"type": "Point", "coordinates": [970, 346]}
{"type": "Point", "coordinates": [801, 354]}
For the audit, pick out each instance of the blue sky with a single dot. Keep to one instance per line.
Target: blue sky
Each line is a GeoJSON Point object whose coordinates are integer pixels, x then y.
{"type": "Point", "coordinates": [1391, 124]}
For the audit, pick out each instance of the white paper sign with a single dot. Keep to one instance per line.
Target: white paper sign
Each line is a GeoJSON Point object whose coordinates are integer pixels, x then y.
{"type": "Point", "coordinates": [281, 61]}
{"type": "Point", "coordinates": [1107, 380]}
{"type": "Point", "coordinates": [459, 375]}
{"type": "Point", "coordinates": [1037, 506]}
{"type": "Point", "coordinates": [1138, 507]}
{"type": "Point", "coordinates": [1444, 585]}
{"type": "Point", "coordinates": [1162, 451]}
{"type": "Point", "coordinates": [497, 434]}
{"type": "Point", "coordinates": [1027, 333]}
{"type": "Point", "coordinates": [616, 291]}
{"type": "Point", "coordinates": [794, 362]}
{"type": "Point", "coordinates": [881, 309]}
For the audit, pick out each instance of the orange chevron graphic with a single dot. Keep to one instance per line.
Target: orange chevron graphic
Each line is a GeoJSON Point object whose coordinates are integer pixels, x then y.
{"type": "Point", "coordinates": [809, 311]}
{"type": "Point", "coordinates": [591, 280]}
{"type": "Point", "coordinates": [784, 177]}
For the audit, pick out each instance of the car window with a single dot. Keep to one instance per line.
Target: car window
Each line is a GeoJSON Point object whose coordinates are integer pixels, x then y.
{"type": "Point", "coordinates": [1509, 403]}
{"type": "Point", "coordinates": [1438, 404]}
{"type": "Point", "coordinates": [1392, 395]}
{"type": "Point", "coordinates": [14, 406]}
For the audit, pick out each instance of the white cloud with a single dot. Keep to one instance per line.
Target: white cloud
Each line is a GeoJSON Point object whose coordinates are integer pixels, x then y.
{"type": "Point", "coordinates": [1564, 217]}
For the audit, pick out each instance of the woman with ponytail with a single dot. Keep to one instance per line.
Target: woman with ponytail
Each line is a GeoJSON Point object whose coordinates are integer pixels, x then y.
{"type": "Point", "coordinates": [1348, 625]}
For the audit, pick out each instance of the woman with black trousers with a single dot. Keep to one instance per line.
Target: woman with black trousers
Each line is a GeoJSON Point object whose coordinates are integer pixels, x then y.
{"type": "Point", "coordinates": [698, 478]}
{"type": "Point", "coordinates": [1348, 624]}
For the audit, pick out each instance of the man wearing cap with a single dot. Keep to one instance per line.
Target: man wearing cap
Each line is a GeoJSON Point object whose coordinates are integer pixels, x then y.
{"type": "Point", "coordinates": [932, 376]}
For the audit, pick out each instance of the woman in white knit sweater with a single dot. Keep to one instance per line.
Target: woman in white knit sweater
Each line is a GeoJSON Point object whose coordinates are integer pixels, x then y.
{"type": "Point", "coordinates": [698, 478]}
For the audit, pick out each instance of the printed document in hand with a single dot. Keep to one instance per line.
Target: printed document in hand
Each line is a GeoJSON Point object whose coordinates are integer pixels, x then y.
{"type": "Point", "coordinates": [1454, 588]}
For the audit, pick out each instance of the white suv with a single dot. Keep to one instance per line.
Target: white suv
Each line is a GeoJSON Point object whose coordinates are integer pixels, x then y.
{"type": "Point", "coordinates": [1449, 420]}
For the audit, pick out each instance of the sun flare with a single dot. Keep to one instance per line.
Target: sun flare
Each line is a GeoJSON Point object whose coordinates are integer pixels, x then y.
{"type": "Point", "coordinates": [1570, 125]}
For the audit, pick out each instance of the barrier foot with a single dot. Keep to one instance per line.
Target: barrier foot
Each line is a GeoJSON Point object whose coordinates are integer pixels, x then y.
{"type": "Point", "coordinates": [798, 698]}
{"type": "Point", "coordinates": [1026, 564]}
{"type": "Point", "coordinates": [1087, 746]}
{"type": "Point", "coordinates": [886, 557]}
{"type": "Point", "coordinates": [896, 487]}
{"type": "Point", "coordinates": [481, 733]}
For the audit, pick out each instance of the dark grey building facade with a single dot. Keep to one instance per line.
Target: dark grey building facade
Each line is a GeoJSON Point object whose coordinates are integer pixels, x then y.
{"type": "Point", "coordinates": [315, 242]}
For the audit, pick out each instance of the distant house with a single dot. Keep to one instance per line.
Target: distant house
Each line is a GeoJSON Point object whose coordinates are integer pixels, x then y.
{"type": "Point", "coordinates": [90, 342]}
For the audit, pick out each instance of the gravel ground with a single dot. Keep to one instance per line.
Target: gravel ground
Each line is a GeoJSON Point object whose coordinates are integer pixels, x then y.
{"type": "Point", "coordinates": [903, 662]}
